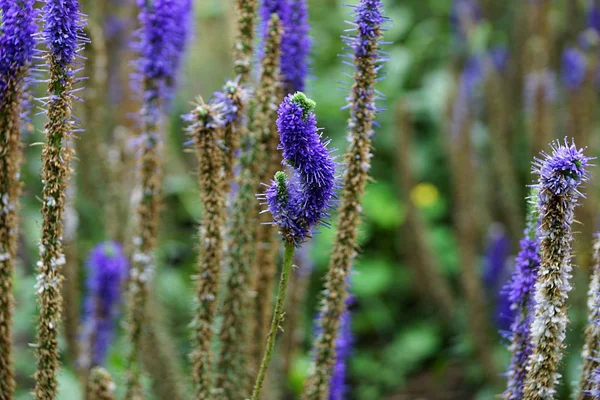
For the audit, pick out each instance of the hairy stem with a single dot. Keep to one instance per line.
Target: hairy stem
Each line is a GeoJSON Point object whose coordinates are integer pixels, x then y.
{"type": "Point", "coordinates": [288, 260]}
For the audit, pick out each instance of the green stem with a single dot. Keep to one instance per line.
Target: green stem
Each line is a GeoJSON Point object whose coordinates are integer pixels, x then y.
{"type": "Point", "coordinates": [288, 259]}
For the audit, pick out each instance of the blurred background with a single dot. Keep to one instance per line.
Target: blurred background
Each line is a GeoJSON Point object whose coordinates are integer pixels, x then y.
{"type": "Point", "coordinates": [474, 90]}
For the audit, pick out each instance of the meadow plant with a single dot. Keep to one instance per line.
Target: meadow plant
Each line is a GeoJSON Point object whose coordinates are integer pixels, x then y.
{"type": "Point", "coordinates": [560, 175]}
{"type": "Point", "coordinates": [62, 34]}
{"type": "Point", "coordinates": [298, 200]}
{"type": "Point", "coordinates": [16, 52]}
{"type": "Point", "coordinates": [207, 132]}
{"type": "Point", "coordinates": [365, 47]}
{"type": "Point", "coordinates": [295, 47]}
{"type": "Point", "coordinates": [163, 26]}
{"type": "Point", "coordinates": [237, 344]}
{"type": "Point", "coordinates": [520, 292]}
{"type": "Point", "coordinates": [107, 268]}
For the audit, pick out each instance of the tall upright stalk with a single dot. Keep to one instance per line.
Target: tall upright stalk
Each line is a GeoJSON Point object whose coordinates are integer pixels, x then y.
{"type": "Point", "coordinates": [63, 37]}
{"type": "Point", "coordinates": [368, 25]}
{"type": "Point", "coordinates": [288, 260]}
{"type": "Point", "coordinates": [560, 175]}
{"type": "Point", "coordinates": [162, 37]}
{"type": "Point", "coordinates": [16, 51]}
{"type": "Point", "coordinates": [207, 132]}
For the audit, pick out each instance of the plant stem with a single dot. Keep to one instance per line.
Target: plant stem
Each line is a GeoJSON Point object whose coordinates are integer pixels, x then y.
{"type": "Point", "coordinates": [288, 259]}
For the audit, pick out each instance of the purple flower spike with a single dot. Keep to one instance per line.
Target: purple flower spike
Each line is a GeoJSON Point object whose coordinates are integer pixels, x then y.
{"type": "Point", "coordinates": [520, 291]}
{"type": "Point", "coordinates": [573, 68]}
{"type": "Point", "coordinates": [165, 26]}
{"type": "Point", "coordinates": [268, 7]}
{"type": "Point", "coordinates": [63, 30]}
{"type": "Point", "coordinates": [343, 349]}
{"type": "Point", "coordinates": [301, 202]}
{"type": "Point", "coordinates": [295, 47]}
{"type": "Point", "coordinates": [560, 175]}
{"type": "Point", "coordinates": [107, 269]}
{"type": "Point", "coordinates": [17, 40]}
{"type": "Point", "coordinates": [562, 172]}
{"type": "Point", "coordinates": [496, 274]}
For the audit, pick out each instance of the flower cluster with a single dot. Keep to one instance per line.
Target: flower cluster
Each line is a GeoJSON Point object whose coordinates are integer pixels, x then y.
{"type": "Point", "coordinates": [295, 43]}
{"type": "Point", "coordinates": [520, 291]}
{"type": "Point", "coordinates": [562, 172]}
{"type": "Point", "coordinates": [17, 40]}
{"type": "Point", "coordinates": [63, 31]}
{"type": "Point", "coordinates": [107, 268]}
{"type": "Point", "coordinates": [165, 25]}
{"type": "Point", "coordinates": [295, 47]}
{"type": "Point", "coordinates": [574, 64]}
{"type": "Point", "coordinates": [301, 202]}
{"type": "Point", "coordinates": [560, 175]}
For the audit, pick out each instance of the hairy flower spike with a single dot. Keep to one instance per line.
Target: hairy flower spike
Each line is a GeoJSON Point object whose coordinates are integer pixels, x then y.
{"type": "Point", "coordinates": [107, 269]}
{"type": "Point", "coordinates": [365, 46]}
{"type": "Point", "coordinates": [62, 34]}
{"type": "Point", "coordinates": [309, 191]}
{"type": "Point", "coordinates": [207, 132]}
{"type": "Point", "coordinates": [238, 346]}
{"type": "Point", "coordinates": [164, 25]}
{"type": "Point", "coordinates": [16, 51]}
{"type": "Point", "coordinates": [560, 175]}
{"type": "Point", "coordinates": [520, 291]}
{"type": "Point", "coordinates": [295, 47]}
{"type": "Point", "coordinates": [589, 381]}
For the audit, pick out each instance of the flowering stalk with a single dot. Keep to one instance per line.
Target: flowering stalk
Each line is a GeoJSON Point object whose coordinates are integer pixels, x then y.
{"type": "Point", "coordinates": [520, 292]}
{"type": "Point", "coordinates": [207, 133]}
{"type": "Point", "coordinates": [101, 386]}
{"type": "Point", "coordinates": [295, 47]}
{"type": "Point", "coordinates": [161, 39]}
{"type": "Point", "coordinates": [16, 51]}
{"type": "Point", "coordinates": [368, 25]}
{"type": "Point", "coordinates": [343, 349]}
{"type": "Point", "coordinates": [560, 175]}
{"type": "Point", "coordinates": [267, 250]}
{"type": "Point", "coordinates": [236, 337]}
{"type": "Point", "coordinates": [107, 269]}
{"type": "Point", "coordinates": [63, 37]}
{"type": "Point", "coordinates": [244, 44]}
{"type": "Point", "coordinates": [592, 331]}
{"type": "Point", "coordinates": [299, 202]}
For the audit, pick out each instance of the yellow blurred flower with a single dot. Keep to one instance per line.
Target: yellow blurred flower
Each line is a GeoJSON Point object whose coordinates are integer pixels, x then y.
{"type": "Point", "coordinates": [424, 195]}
